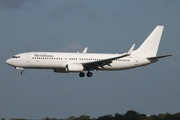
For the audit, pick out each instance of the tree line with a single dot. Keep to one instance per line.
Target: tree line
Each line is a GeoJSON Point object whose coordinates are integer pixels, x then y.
{"type": "Point", "coordinates": [129, 115]}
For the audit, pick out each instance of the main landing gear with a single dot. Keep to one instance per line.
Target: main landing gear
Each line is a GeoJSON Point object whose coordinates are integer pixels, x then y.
{"type": "Point", "coordinates": [89, 74]}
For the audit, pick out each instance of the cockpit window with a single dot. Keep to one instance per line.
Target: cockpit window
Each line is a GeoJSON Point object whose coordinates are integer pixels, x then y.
{"type": "Point", "coordinates": [16, 57]}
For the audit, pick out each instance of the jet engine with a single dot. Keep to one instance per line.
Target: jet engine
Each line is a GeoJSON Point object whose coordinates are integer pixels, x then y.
{"type": "Point", "coordinates": [74, 67]}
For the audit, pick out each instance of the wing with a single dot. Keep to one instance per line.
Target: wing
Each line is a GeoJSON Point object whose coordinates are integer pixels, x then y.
{"type": "Point", "coordinates": [95, 65]}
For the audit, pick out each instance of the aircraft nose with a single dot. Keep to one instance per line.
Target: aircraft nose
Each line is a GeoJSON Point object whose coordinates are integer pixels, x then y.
{"type": "Point", "coordinates": [9, 61]}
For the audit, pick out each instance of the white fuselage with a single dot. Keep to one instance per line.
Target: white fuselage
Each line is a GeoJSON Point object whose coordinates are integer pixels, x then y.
{"type": "Point", "coordinates": [59, 60]}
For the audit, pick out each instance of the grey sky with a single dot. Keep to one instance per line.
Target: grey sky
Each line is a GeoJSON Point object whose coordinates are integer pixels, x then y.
{"type": "Point", "coordinates": [103, 26]}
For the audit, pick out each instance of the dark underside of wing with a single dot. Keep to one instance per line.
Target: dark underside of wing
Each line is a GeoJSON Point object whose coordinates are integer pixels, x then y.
{"type": "Point", "coordinates": [95, 65]}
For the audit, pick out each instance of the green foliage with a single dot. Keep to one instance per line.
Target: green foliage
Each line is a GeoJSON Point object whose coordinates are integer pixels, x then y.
{"type": "Point", "coordinates": [129, 115]}
{"type": "Point", "coordinates": [176, 116]}
{"type": "Point", "coordinates": [133, 115]}
{"type": "Point", "coordinates": [83, 117]}
{"type": "Point", "coordinates": [71, 118]}
{"type": "Point", "coordinates": [106, 117]}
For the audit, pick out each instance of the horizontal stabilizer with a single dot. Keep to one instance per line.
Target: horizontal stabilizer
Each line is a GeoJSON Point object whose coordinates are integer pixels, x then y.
{"type": "Point", "coordinates": [158, 57]}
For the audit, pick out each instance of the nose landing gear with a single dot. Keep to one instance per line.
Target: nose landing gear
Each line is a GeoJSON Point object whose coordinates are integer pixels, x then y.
{"type": "Point", "coordinates": [22, 72]}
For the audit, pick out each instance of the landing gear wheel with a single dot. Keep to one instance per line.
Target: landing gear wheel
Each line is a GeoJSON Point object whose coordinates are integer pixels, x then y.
{"type": "Point", "coordinates": [89, 74]}
{"type": "Point", "coordinates": [81, 74]}
{"type": "Point", "coordinates": [22, 73]}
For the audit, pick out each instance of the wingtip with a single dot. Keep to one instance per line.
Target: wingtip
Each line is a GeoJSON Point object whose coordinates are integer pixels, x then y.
{"type": "Point", "coordinates": [131, 49]}
{"type": "Point", "coordinates": [85, 50]}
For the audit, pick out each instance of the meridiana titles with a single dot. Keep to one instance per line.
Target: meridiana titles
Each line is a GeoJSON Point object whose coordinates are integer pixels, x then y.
{"type": "Point", "coordinates": [43, 55]}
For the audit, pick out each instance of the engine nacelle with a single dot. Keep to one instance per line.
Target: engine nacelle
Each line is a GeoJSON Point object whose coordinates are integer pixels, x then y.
{"type": "Point", "coordinates": [74, 67]}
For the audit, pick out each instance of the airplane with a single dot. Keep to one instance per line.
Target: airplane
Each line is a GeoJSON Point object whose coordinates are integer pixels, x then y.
{"type": "Point", "coordinates": [65, 62]}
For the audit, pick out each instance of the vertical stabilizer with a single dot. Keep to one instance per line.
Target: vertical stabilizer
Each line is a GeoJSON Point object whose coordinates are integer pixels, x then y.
{"type": "Point", "coordinates": [150, 45]}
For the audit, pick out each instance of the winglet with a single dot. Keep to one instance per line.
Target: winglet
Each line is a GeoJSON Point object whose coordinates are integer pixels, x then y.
{"type": "Point", "coordinates": [131, 49]}
{"type": "Point", "coordinates": [85, 50]}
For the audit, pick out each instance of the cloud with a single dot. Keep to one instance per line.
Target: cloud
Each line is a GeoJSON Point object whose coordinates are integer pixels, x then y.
{"type": "Point", "coordinates": [75, 8]}
{"type": "Point", "coordinates": [15, 4]}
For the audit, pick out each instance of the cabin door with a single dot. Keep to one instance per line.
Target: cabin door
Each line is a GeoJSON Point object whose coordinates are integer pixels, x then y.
{"type": "Point", "coordinates": [28, 58]}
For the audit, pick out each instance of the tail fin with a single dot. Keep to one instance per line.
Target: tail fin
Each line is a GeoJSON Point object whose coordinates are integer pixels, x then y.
{"type": "Point", "coordinates": [151, 44]}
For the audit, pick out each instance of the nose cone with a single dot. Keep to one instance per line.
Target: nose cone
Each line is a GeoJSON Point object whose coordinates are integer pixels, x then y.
{"type": "Point", "coordinates": [9, 61]}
